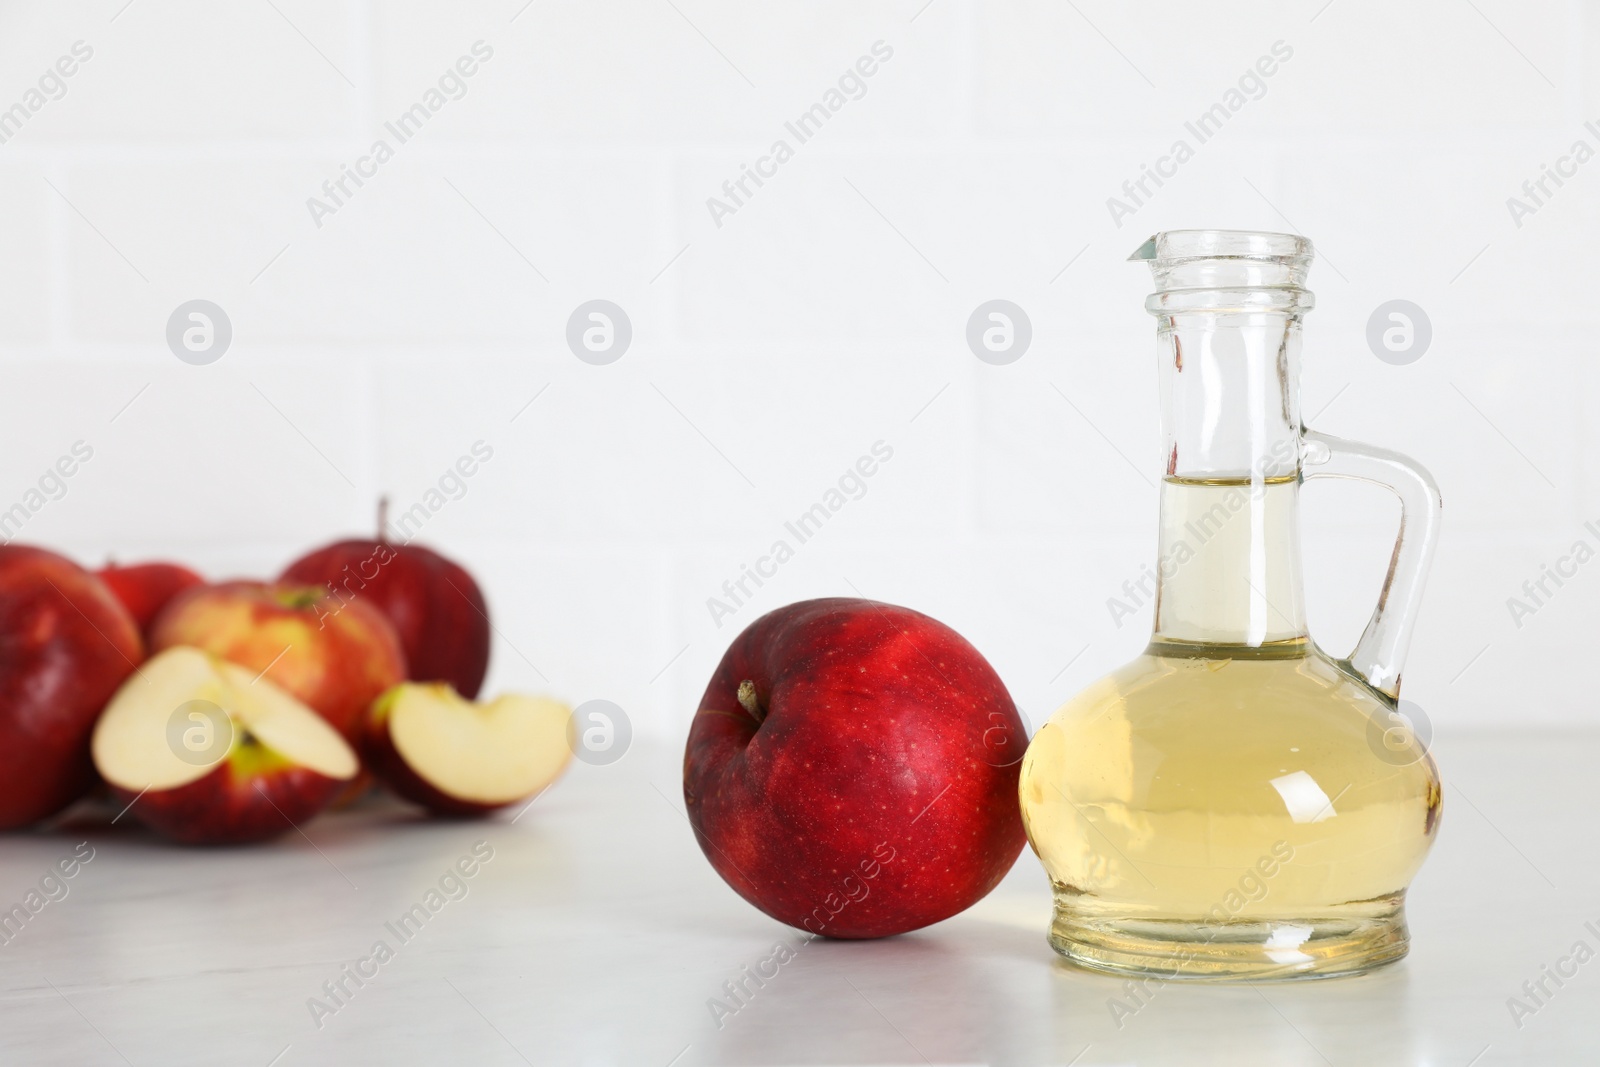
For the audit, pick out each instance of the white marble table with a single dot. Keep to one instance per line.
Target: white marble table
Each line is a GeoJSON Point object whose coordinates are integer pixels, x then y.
{"type": "Point", "coordinates": [597, 934]}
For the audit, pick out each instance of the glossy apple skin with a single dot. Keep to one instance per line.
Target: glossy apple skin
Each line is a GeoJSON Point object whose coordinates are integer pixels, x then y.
{"type": "Point", "coordinates": [226, 807]}
{"type": "Point", "coordinates": [340, 655]}
{"type": "Point", "coordinates": [66, 644]}
{"type": "Point", "coordinates": [145, 588]}
{"type": "Point", "coordinates": [384, 760]}
{"type": "Point", "coordinates": [435, 606]}
{"type": "Point", "coordinates": [879, 792]}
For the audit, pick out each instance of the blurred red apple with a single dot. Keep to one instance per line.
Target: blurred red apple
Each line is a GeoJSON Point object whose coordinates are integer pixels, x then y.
{"type": "Point", "coordinates": [145, 588]}
{"type": "Point", "coordinates": [334, 656]}
{"type": "Point", "coordinates": [66, 643]}
{"type": "Point", "coordinates": [206, 753]}
{"type": "Point", "coordinates": [454, 757]}
{"type": "Point", "coordinates": [852, 769]}
{"type": "Point", "coordinates": [435, 606]}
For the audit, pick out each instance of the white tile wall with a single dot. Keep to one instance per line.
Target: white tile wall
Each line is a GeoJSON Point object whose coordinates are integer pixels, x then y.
{"type": "Point", "coordinates": [823, 315]}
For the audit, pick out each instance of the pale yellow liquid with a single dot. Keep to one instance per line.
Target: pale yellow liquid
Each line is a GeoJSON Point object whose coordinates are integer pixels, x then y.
{"type": "Point", "coordinates": [1216, 809]}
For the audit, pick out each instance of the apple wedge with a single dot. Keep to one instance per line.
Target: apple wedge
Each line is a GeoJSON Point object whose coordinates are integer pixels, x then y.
{"type": "Point", "coordinates": [206, 753]}
{"type": "Point", "coordinates": [454, 757]}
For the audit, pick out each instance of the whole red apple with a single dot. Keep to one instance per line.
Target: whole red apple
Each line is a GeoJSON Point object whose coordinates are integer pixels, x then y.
{"type": "Point", "coordinates": [848, 771]}
{"type": "Point", "coordinates": [334, 656]}
{"type": "Point", "coordinates": [66, 643]}
{"type": "Point", "coordinates": [206, 753]}
{"type": "Point", "coordinates": [435, 606]}
{"type": "Point", "coordinates": [145, 588]}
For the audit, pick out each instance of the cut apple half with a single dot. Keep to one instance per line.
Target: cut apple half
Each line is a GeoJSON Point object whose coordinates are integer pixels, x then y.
{"type": "Point", "coordinates": [441, 750]}
{"type": "Point", "coordinates": [186, 712]}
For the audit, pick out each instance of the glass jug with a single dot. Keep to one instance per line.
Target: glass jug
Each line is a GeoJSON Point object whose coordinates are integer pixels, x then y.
{"type": "Point", "coordinates": [1235, 802]}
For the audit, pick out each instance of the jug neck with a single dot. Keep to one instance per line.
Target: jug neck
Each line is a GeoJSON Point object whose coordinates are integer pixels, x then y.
{"type": "Point", "coordinates": [1228, 566]}
{"type": "Point", "coordinates": [1228, 307]}
{"type": "Point", "coordinates": [1230, 394]}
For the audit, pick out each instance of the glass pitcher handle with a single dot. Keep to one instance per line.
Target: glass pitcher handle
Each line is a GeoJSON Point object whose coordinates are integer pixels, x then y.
{"type": "Point", "coordinates": [1380, 654]}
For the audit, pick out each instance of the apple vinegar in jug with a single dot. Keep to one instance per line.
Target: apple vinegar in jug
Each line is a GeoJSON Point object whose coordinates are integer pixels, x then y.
{"type": "Point", "coordinates": [1234, 802]}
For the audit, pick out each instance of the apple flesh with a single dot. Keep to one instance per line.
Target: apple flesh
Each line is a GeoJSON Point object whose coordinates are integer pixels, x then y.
{"type": "Point", "coordinates": [435, 748]}
{"type": "Point", "coordinates": [66, 643]}
{"type": "Point", "coordinates": [145, 588]}
{"type": "Point", "coordinates": [852, 769]}
{"type": "Point", "coordinates": [334, 656]}
{"type": "Point", "coordinates": [436, 608]}
{"type": "Point", "coordinates": [268, 766]}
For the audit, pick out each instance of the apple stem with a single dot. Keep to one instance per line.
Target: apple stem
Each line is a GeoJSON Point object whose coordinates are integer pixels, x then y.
{"type": "Point", "coordinates": [748, 701]}
{"type": "Point", "coordinates": [383, 518]}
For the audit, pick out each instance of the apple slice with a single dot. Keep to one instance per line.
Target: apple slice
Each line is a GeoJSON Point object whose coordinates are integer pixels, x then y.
{"type": "Point", "coordinates": [436, 748]}
{"type": "Point", "coordinates": [207, 753]}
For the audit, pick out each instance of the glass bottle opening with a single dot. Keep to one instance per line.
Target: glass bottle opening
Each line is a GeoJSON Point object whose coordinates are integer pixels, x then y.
{"type": "Point", "coordinates": [1222, 270]}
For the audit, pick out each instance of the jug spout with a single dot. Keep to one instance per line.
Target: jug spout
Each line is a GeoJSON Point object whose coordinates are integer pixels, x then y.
{"type": "Point", "coordinates": [1146, 250]}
